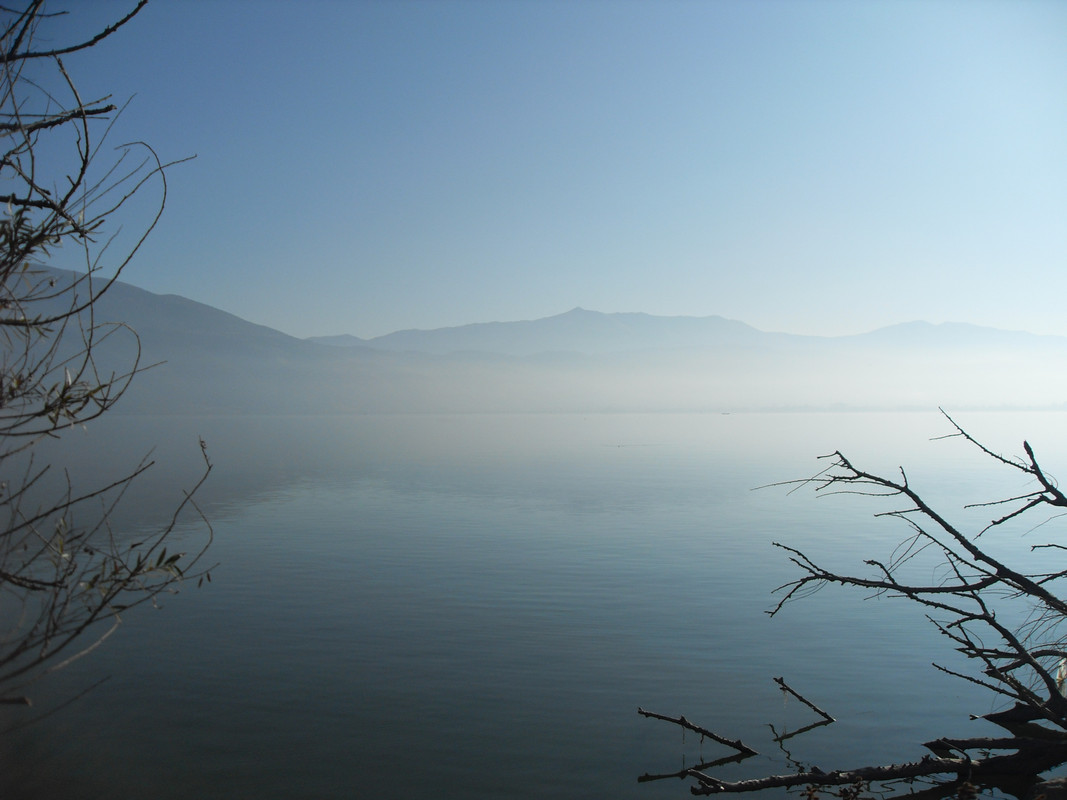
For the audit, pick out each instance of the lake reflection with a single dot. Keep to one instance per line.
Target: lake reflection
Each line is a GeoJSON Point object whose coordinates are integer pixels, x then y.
{"type": "Point", "coordinates": [475, 606]}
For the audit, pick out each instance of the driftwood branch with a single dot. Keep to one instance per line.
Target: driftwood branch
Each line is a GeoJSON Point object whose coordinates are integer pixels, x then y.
{"type": "Point", "coordinates": [787, 688]}
{"type": "Point", "coordinates": [684, 773]}
{"type": "Point", "coordinates": [816, 777]}
{"type": "Point", "coordinates": [977, 592]}
{"type": "Point", "coordinates": [682, 722]}
{"type": "Point", "coordinates": [1032, 758]}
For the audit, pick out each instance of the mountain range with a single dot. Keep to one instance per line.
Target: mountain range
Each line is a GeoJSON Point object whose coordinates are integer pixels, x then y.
{"type": "Point", "coordinates": [213, 362]}
{"type": "Point", "coordinates": [577, 331]}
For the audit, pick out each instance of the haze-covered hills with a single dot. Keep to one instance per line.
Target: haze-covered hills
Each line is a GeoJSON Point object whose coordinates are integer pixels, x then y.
{"type": "Point", "coordinates": [576, 331]}
{"type": "Point", "coordinates": [579, 361]}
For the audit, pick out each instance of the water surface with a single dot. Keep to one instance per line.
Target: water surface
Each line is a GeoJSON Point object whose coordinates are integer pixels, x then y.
{"type": "Point", "coordinates": [475, 606]}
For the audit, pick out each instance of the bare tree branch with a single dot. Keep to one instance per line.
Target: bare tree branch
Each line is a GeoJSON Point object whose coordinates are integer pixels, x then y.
{"type": "Point", "coordinates": [65, 575]}
{"type": "Point", "coordinates": [32, 13]}
{"type": "Point", "coordinates": [682, 722]}
{"type": "Point", "coordinates": [971, 605]}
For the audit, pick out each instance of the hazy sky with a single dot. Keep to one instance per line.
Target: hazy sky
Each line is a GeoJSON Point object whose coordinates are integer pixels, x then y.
{"type": "Point", "coordinates": [813, 167]}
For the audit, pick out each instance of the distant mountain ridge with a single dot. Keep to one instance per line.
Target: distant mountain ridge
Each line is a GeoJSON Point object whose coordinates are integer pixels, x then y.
{"type": "Point", "coordinates": [213, 362]}
{"type": "Point", "coordinates": [576, 331]}
{"type": "Point", "coordinates": [598, 333]}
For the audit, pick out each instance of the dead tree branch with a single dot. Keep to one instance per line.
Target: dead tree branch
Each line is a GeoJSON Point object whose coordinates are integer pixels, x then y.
{"type": "Point", "coordinates": [971, 606]}
{"type": "Point", "coordinates": [682, 722]}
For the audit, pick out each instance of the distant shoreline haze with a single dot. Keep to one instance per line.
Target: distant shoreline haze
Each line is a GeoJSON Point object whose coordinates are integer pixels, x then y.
{"type": "Point", "coordinates": [595, 331]}
{"type": "Point", "coordinates": [578, 361]}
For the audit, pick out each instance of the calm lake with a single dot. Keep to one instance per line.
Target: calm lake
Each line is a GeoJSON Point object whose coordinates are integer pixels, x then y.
{"type": "Point", "coordinates": [475, 607]}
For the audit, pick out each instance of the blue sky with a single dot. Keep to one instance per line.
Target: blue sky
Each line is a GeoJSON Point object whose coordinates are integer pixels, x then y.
{"type": "Point", "coordinates": [812, 167]}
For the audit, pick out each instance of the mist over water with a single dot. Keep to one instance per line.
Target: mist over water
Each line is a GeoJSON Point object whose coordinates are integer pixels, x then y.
{"type": "Point", "coordinates": [581, 362]}
{"type": "Point", "coordinates": [474, 606]}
